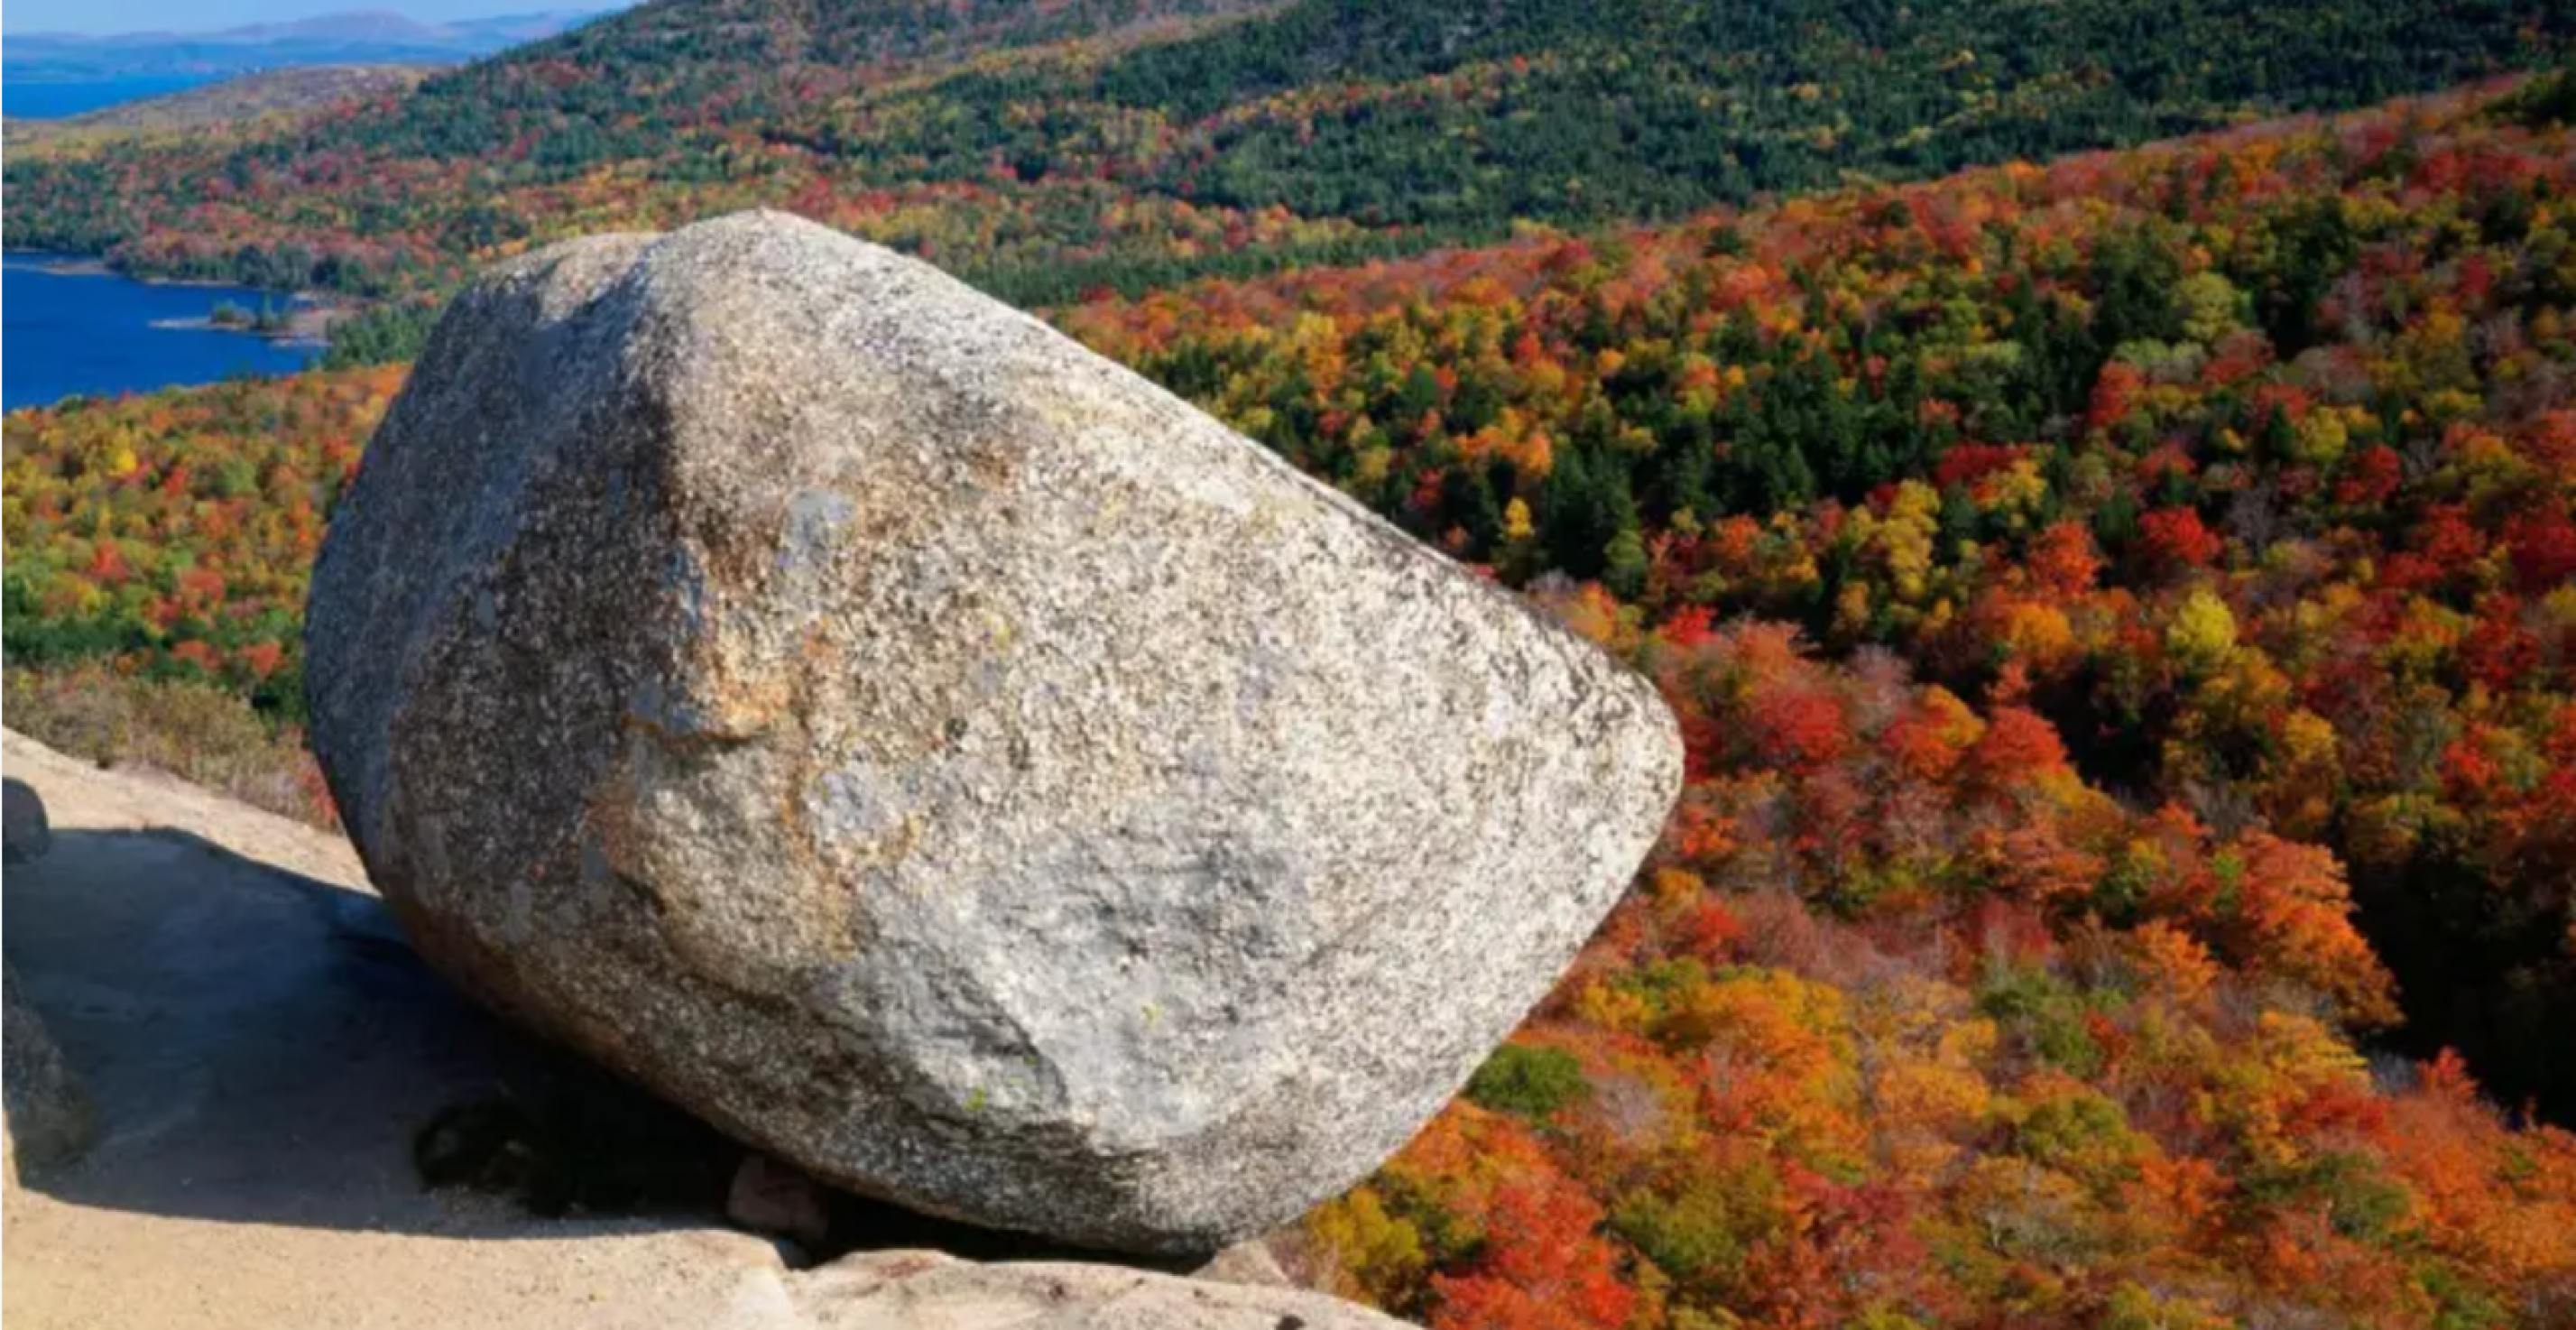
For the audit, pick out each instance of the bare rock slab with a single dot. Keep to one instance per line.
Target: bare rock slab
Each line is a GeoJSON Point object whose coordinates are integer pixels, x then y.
{"type": "Point", "coordinates": [902, 1290]}
{"type": "Point", "coordinates": [938, 756]}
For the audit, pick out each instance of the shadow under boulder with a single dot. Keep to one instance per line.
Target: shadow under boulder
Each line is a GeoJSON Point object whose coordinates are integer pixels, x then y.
{"type": "Point", "coordinates": [565, 1138]}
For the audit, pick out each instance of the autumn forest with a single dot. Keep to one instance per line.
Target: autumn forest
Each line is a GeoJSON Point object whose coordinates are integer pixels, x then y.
{"type": "Point", "coordinates": [2121, 605]}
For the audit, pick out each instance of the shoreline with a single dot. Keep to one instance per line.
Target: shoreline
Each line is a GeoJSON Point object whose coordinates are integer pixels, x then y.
{"type": "Point", "coordinates": [309, 314]}
{"type": "Point", "coordinates": [78, 268]}
{"type": "Point", "coordinates": [306, 327]}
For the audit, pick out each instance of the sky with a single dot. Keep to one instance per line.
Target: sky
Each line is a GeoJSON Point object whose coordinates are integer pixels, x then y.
{"type": "Point", "coordinates": [205, 15]}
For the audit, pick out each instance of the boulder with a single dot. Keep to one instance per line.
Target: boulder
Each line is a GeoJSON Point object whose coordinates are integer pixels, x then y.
{"type": "Point", "coordinates": [885, 1290]}
{"type": "Point", "coordinates": [46, 1116]}
{"type": "Point", "coordinates": [25, 833]}
{"type": "Point", "coordinates": [939, 757]}
{"type": "Point", "coordinates": [767, 1196]}
{"type": "Point", "coordinates": [1251, 1262]}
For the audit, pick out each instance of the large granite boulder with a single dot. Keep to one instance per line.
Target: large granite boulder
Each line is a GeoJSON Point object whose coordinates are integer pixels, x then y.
{"type": "Point", "coordinates": [938, 756]}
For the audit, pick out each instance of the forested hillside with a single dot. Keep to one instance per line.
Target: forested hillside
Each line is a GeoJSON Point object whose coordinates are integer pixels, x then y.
{"type": "Point", "coordinates": [1044, 149]}
{"type": "Point", "coordinates": [2123, 616]}
{"type": "Point", "coordinates": [2246, 463]}
{"type": "Point", "coordinates": [2194, 531]}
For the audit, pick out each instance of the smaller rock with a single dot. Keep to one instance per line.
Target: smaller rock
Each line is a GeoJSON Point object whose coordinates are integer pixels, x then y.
{"type": "Point", "coordinates": [49, 1119]}
{"type": "Point", "coordinates": [925, 1288]}
{"type": "Point", "coordinates": [1251, 1263]}
{"type": "Point", "coordinates": [24, 832]}
{"type": "Point", "coordinates": [779, 1200]}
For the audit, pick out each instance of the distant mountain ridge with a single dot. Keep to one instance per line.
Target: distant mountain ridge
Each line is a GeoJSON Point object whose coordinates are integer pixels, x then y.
{"type": "Point", "coordinates": [358, 24]}
{"type": "Point", "coordinates": [373, 36]}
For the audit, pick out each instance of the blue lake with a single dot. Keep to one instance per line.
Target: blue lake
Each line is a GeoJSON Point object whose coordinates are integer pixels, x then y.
{"type": "Point", "coordinates": [62, 334]}
{"type": "Point", "coordinates": [47, 99]}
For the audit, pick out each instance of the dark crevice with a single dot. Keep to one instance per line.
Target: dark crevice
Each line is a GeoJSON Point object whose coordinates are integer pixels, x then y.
{"type": "Point", "coordinates": [566, 1139]}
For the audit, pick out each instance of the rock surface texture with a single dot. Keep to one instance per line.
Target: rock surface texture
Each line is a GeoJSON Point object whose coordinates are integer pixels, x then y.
{"type": "Point", "coordinates": [913, 1290]}
{"type": "Point", "coordinates": [938, 756]}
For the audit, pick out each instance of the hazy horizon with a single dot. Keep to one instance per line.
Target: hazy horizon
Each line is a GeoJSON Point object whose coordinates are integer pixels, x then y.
{"type": "Point", "coordinates": [42, 17]}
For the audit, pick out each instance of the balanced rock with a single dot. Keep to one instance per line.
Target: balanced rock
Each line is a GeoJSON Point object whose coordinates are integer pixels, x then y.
{"type": "Point", "coordinates": [938, 756]}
